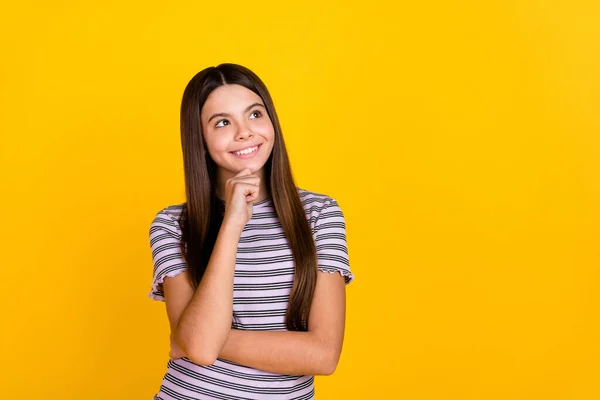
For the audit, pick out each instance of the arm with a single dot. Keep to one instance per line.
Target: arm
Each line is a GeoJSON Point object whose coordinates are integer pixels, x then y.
{"type": "Point", "coordinates": [201, 321]}
{"type": "Point", "coordinates": [315, 352]}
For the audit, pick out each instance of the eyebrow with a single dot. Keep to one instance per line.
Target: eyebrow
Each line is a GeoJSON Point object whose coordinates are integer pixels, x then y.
{"type": "Point", "coordinates": [227, 115]}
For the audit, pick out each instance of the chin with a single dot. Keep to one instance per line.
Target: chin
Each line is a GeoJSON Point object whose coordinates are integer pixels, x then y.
{"type": "Point", "coordinates": [253, 166]}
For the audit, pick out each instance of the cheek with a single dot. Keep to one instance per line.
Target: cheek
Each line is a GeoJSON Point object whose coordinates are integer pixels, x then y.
{"type": "Point", "coordinates": [266, 128]}
{"type": "Point", "coordinates": [216, 145]}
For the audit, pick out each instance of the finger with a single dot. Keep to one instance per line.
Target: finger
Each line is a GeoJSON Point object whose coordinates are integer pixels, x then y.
{"type": "Point", "coordinates": [245, 171]}
{"type": "Point", "coordinates": [250, 179]}
{"type": "Point", "coordinates": [231, 184]}
{"type": "Point", "coordinates": [249, 191]}
{"type": "Point", "coordinates": [249, 188]}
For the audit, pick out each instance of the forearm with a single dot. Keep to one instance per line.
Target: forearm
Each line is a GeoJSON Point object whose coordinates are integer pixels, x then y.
{"type": "Point", "coordinates": [282, 352]}
{"type": "Point", "coordinates": [205, 323]}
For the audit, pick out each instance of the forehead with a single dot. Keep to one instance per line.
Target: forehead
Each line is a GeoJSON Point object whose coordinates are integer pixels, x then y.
{"type": "Point", "coordinates": [229, 99]}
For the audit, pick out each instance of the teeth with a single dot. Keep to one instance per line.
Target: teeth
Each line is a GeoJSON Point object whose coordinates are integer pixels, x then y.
{"type": "Point", "coordinates": [246, 151]}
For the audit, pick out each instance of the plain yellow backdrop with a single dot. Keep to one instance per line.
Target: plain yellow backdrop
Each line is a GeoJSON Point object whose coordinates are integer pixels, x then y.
{"type": "Point", "coordinates": [461, 139]}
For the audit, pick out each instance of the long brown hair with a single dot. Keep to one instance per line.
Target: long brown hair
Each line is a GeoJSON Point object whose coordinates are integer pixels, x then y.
{"type": "Point", "coordinates": [201, 219]}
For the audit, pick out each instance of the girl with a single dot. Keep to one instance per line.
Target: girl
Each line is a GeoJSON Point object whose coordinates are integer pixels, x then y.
{"type": "Point", "coordinates": [252, 268]}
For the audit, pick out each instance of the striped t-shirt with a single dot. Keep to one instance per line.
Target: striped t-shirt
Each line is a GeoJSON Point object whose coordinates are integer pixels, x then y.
{"type": "Point", "coordinates": [264, 274]}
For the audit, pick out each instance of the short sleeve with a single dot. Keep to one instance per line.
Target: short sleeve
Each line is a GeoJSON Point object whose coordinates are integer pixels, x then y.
{"type": "Point", "coordinates": [165, 236]}
{"type": "Point", "coordinates": [330, 239]}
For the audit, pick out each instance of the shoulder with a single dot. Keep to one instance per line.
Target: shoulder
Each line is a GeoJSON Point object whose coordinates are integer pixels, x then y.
{"type": "Point", "coordinates": [167, 219]}
{"type": "Point", "coordinates": [312, 199]}
{"type": "Point", "coordinates": [319, 206]}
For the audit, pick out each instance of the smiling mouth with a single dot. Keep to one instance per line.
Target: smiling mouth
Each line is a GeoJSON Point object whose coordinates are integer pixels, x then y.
{"type": "Point", "coordinates": [247, 151]}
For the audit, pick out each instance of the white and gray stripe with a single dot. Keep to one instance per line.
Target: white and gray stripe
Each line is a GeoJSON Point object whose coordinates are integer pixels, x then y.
{"type": "Point", "coordinates": [264, 274]}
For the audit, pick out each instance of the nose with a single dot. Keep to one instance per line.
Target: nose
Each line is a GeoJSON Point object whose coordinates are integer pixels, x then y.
{"type": "Point", "coordinates": [244, 133]}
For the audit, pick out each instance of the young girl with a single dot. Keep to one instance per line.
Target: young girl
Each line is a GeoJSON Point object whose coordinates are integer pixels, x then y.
{"type": "Point", "coordinates": [252, 268]}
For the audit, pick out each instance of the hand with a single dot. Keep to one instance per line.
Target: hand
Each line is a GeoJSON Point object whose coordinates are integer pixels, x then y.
{"type": "Point", "coordinates": [240, 193]}
{"type": "Point", "coordinates": [175, 351]}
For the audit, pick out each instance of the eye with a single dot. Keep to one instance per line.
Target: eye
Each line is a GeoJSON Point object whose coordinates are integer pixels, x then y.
{"type": "Point", "coordinates": [223, 120]}
{"type": "Point", "coordinates": [256, 112]}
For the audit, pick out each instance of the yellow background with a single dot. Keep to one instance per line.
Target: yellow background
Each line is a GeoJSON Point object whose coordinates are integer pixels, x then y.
{"type": "Point", "coordinates": [461, 139]}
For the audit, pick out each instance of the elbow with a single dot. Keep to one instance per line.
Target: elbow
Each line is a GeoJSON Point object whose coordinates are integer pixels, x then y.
{"type": "Point", "coordinates": [196, 352]}
{"type": "Point", "coordinates": [202, 358]}
{"type": "Point", "coordinates": [329, 363]}
{"type": "Point", "coordinates": [328, 369]}
{"type": "Point", "coordinates": [201, 355]}
{"type": "Point", "coordinates": [329, 352]}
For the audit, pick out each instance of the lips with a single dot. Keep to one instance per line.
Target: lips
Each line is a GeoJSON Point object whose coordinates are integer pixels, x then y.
{"type": "Point", "coordinates": [247, 155]}
{"type": "Point", "coordinates": [246, 148]}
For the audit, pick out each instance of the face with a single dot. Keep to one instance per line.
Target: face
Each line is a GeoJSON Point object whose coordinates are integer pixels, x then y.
{"type": "Point", "coordinates": [235, 119]}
